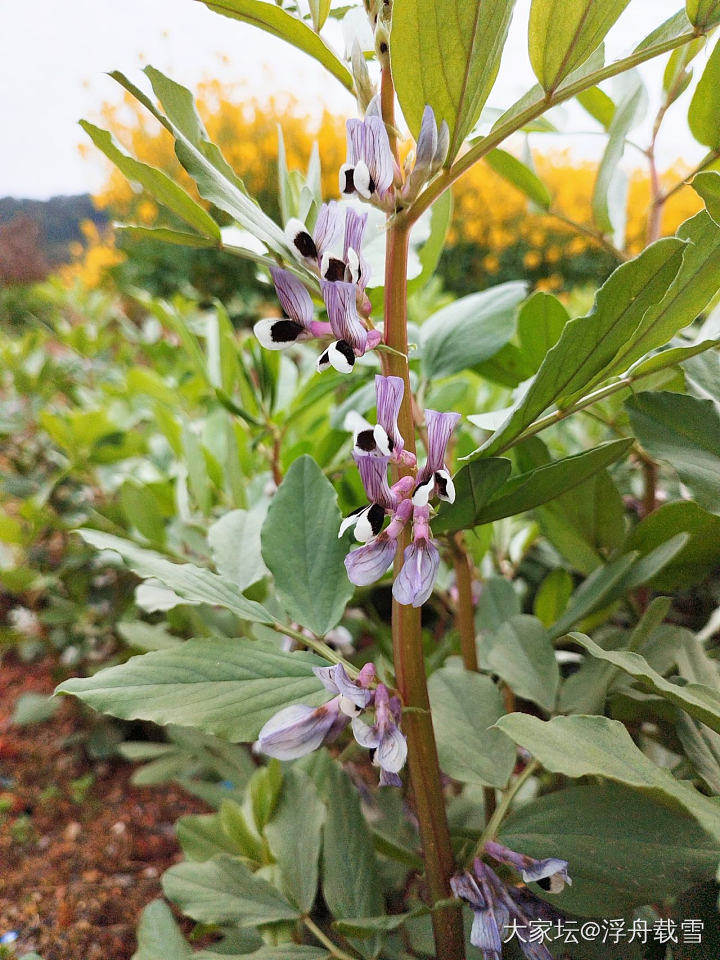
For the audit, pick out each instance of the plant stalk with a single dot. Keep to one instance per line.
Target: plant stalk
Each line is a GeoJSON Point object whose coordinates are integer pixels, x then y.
{"type": "Point", "coordinates": [464, 618]}
{"type": "Point", "coordinates": [409, 664]}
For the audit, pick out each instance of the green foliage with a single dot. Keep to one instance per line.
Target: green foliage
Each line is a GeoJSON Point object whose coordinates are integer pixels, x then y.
{"type": "Point", "coordinates": [450, 62]}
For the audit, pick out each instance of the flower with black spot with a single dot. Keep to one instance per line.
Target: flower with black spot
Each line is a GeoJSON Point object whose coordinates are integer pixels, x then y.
{"type": "Point", "coordinates": [353, 339]}
{"type": "Point", "coordinates": [434, 479]}
{"type": "Point", "coordinates": [312, 247]}
{"type": "Point", "coordinates": [298, 324]}
{"type": "Point", "coordinates": [370, 169]}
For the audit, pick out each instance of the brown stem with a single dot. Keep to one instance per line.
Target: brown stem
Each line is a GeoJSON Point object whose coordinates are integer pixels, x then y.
{"type": "Point", "coordinates": [409, 664]}
{"type": "Point", "coordinates": [464, 617]}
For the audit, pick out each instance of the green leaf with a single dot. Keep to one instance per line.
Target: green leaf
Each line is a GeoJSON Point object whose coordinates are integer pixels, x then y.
{"type": "Point", "coordinates": [598, 104]}
{"type": "Point", "coordinates": [216, 181]}
{"type": "Point", "coordinates": [470, 330]}
{"type": "Point", "coordinates": [475, 483]}
{"type": "Point", "coordinates": [587, 523]}
{"type": "Point", "coordinates": [142, 511]}
{"type": "Point", "coordinates": [158, 935]}
{"type": "Point", "coordinates": [448, 58]}
{"type": "Point", "coordinates": [278, 22]}
{"type": "Point", "coordinates": [703, 13]}
{"type": "Point", "coordinates": [707, 184]}
{"type": "Point", "coordinates": [694, 285]}
{"type": "Point", "coordinates": [367, 926]}
{"type": "Point", "coordinates": [234, 541]}
{"type": "Point", "coordinates": [669, 358]}
{"type": "Point", "coordinates": [697, 699]}
{"type": "Point", "coordinates": [165, 235]}
{"type": "Point", "coordinates": [685, 432]}
{"type": "Point", "coordinates": [589, 343]}
{"type": "Point", "coordinates": [624, 117]}
{"type": "Point", "coordinates": [498, 602]}
{"type": "Point", "coordinates": [157, 183]}
{"type": "Point", "coordinates": [563, 34]}
{"type": "Point", "coordinates": [623, 848]}
{"type": "Point", "coordinates": [520, 176]}
{"type": "Point", "coordinates": [582, 746]}
{"type": "Point", "coordinates": [593, 592]}
{"type": "Point", "coordinates": [552, 596]}
{"type": "Point", "coordinates": [541, 321]}
{"type": "Point", "coordinates": [193, 584]}
{"type": "Point", "coordinates": [531, 489]}
{"type": "Point", "coordinates": [523, 656]}
{"type": "Point", "coordinates": [33, 708]}
{"type": "Point", "coordinates": [347, 841]}
{"type": "Point", "coordinates": [704, 107]}
{"type": "Point", "coordinates": [202, 837]}
{"type": "Point", "coordinates": [223, 890]}
{"type": "Point", "coordinates": [319, 11]}
{"type": "Point", "coordinates": [300, 546]}
{"type": "Point", "coordinates": [225, 687]}
{"type": "Point", "coordinates": [697, 558]}
{"type": "Point", "coordinates": [464, 707]}
{"type": "Point", "coordinates": [294, 835]}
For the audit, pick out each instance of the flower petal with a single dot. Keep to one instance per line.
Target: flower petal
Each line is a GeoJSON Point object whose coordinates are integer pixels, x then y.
{"type": "Point", "coordinates": [293, 297]}
{"type": "Point", "coordinates": [367, 564]}
{"type": "Point", "coordinates": [416, 580]}
{"type": "Point", "coordinates": [296, 730]}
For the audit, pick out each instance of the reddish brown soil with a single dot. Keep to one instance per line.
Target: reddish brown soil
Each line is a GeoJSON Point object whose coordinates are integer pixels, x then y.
{"type": "Point", "coordinates": [75, 870]}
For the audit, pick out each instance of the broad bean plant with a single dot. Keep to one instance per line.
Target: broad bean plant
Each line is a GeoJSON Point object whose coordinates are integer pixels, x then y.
{"type": "Point", "coordinates": [477, 711]}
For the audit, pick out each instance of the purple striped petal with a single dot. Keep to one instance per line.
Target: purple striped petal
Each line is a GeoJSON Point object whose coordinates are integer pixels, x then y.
{"type": "Point", "coordinates": [297, 730]}
{"type": "Point", "coordinates": [293, 297]}
{"type": "Point", "coordinates": [416, 580]}
{"type": "Point", "coordinates": [389, 391]}
{"type": "Point", "coordinates": [373, 473]}
{"type": "Point", "coordinates": [367, 564]}
{"type": "Point", "coordinates": [328, 226]}
{"type": "Point", "coordinates": [341, 306]}
{"type": "Point", "coordinates": [439, 430]}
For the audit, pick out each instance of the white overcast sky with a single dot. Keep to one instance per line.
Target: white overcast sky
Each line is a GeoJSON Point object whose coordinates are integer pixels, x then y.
{"type": "Point", "coordinates": [54, 56]}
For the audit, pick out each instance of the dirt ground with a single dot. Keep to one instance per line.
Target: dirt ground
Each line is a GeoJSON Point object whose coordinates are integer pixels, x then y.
{"type": "Point", "coordinates": [81, 849]}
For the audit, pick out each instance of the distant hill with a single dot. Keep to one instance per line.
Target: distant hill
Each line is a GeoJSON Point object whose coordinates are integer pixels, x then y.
{"type": "Point", "coordinates": [58, 220]}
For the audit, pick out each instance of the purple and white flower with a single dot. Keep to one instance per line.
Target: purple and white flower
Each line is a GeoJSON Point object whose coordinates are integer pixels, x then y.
{"type": "Point", "coordinates": [299, 729]}
{"type": "Point", "coordinates": [353, 338]}
{"type": "Point", "coordinates": [313, 246]}
{"type": "Point", "coordinates": [489, 915]}
{"type": "Point", "coordinates": [370, 167]}
{"type": "Point", "coordinates": [550, 874]}
{"type": "Point", "coordinates": [298, 324]}
{"type": "Point", "coordinates": [434, 479]}
{"type": "Point", "coordinates": [383, 438]}
{"type": "Point", "coordinates": [352, 267]}
{"type": "Point", "coordinates": [430, 154]}
{"type": "Point", "coordinates": [415, 582]}
{"type": "Point", "coordinates": [384, 737]}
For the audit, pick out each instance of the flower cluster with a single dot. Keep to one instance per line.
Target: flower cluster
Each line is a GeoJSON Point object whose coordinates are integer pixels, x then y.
{"type": "Point", "coordinates": [495, 906]}
{"type": "Point", "coordinates": [299, 729]}
{"type": "Point", "coordinates": [371, 174]}
{"type": "Point", "coordinates": [374, 449]}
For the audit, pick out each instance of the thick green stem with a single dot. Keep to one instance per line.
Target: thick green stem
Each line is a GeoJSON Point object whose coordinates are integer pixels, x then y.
{"type": "Point", "coordinates": [407, 644]}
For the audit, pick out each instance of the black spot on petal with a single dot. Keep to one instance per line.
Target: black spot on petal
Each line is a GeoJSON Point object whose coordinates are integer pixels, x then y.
{"type": "Point", "coordinates": [391, 444]}
{"type": "Point", "coordinates": [376, 516]}
{"type": "Point", "coordinates": [343, 347]}
{"type": "Point", "coordinates": [306, 245]}
{"type": "Point", "coordinates": [365, 440]}
{"type": "Point", "coordinates": [441, 483]}
{"type": "Point", "coordinates": [383, 47]}
{"type": "Point", "coordinates": [544, 883]}
{"type": "Point", "coordinates": [335, 269]}
{"type": "Point", "coordinates": [285, 331]}
{"type": "Point", "coordinates": [349, 181]}
{"type": "Point", "coordinates": [371, 184]}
